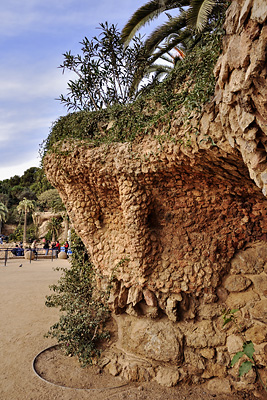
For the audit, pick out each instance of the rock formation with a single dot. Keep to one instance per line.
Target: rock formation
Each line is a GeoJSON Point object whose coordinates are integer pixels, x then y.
{"type": "Point", "coordinates": [183, 229]}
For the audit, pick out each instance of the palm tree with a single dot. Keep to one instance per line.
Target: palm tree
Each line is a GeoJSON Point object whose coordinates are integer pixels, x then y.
{"type": "Point", "coordinates": [54, 226]}
{"type": "Point", "coordinates": [146, 13]}
{"type": "Point", "coordinates": [3, 214]}
{"type": "Point", "coordinates": [192, 19]}
{"type": "Point", "coordinates": [25, 206]}
{"type": "Point", "coordinates": [200, 11]}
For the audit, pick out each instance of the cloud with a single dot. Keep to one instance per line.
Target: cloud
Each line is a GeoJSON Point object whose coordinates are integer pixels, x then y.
{"type": "Point", "coordinates": [33, 36]}
{"type": "Point", "coordinates": [18, 17]}
{"type": "Point", "coordinates": [30, 83]}
{"type": "Point", "coordinates": [18, 168]}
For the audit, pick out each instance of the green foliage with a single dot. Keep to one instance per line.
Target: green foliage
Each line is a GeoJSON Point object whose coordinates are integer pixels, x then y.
{"type": "Point", "coordinates": [50, 200]}
{"type": "Point", "coordinates": [84, 312]}
{"type": "Point", "coordinates": [3, 212]}
{"type": "Point", "coordinates": [29, 185]}
{"type": "Point", "coordinates": [54, 226]}
{"type": "Point", "coordinates": [229, 316]}
{"type": "Point", "coordinates": [182, 30]}
{"type": "Point", "coordinates": [155, 106]}
{"type": "Point", "coordinates": [25, 206]}
{"type": "Point", "coordinates": [104, 70]}
{"type": "Point", "coordinates": [32, 233]}
{"type": "Point", "coordinates": [246, 366]}
{"type": "Point", "coordinates": [17, 235]}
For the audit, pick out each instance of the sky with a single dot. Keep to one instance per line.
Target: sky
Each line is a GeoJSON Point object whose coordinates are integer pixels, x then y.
{"type": "Point", "coordinates": [34, 34]}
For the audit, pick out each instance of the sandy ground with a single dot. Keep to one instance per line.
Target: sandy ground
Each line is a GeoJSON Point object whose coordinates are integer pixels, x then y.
{"type": "Point", "coordinates": [24, 319]}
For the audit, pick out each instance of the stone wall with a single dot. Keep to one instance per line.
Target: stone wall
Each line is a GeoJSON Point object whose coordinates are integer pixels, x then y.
{"type": "Point", "coordinates": [182, 230]}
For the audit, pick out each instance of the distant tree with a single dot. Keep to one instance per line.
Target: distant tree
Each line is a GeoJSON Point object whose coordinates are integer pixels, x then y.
{"type": "Point", "coordinates": [40, 183]}
{"type": "Point", "coordinates": [3, 198]}
{"type": "Point", "coordinates": [15, 192]}
{"type": "Point", "coordinates": [29, 176]}
{"type": "Point", "coordinates": [54, 226]}
{"type": "Point", "coordinates": [3, 215]}
{"type": "Point", "coordinates": [25, 206]}
{"type": "Point", "coordinates": [26, 193]}
{"type": "Point", "coordinates": [105, 71]}
{"type": "Point", "coordinates": [51, 200]}
{"type": "Point", "coordinates": [13, 181]}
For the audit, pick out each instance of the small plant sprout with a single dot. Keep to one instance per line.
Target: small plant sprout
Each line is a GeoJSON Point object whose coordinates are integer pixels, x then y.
{"type": "Point", "coordinates": [248, 348]}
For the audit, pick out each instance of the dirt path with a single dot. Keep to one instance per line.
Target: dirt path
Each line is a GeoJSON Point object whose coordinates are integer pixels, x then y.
{"type": "Point", "coordinates": [24, 320]}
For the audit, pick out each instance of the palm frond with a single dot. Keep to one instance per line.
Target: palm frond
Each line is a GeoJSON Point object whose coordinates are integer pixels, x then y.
{"type": "Point", "coordinates": [147, 62]}
{"type": "Point", "coordinates": [199, 12]}
{"type": "Point", "coordinates": [167, 57]}
{"type": "Point", "coordinates": [176, 41]}
{"type": "Point", "coordinates": [175, 25]}
{"type": "Point", "coordinates": [147, 13]}
{"type": "Point", "coordinates": [158, 69]}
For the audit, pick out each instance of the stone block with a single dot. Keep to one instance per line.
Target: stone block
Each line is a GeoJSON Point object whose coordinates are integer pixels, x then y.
{"type": "Point", "coordinates": [242, 299]}
{"type": "Point", "coordinates": [172, 309]}
{"type": "Point", "coordinates": [251, 260]}
{"type": "Point", "coordinates": [122, 298]}
{"type": "Point", "coordinates": [257, 333]}
{"type": "Point", "coordinates": [202, 334]}
{"type": "Point", "coordinates": [259, 283]}
{"type": "Point", "coordinates": [234, 344]}
{"type": "Point", "coordinates": [259, 311]}
{"type": "Point", "coordinates": [150, 298]}
{"type": "Point", "coordinates": [212, 370]}
{"type": "Point", "coordinates": [259, 11]}
{"type": "Point", "coordinates": [219, 385]}
{"type": "Point", "coordinates": [236, 283]}
{"type": "Point", "coordinates": [209, 311]}
{"type": "Point", "coordinates": [135, 295]}
{"type": "Point", "coordinates": [207, 353]}
{"type": "Point", "coordinates": [152, 339]}
{"type": "Point", "coordinates": [167, 376]}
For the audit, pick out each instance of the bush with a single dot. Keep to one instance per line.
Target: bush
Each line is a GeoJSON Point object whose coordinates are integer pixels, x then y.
{"type": "Point", "coordinates": [84, 312]}
{"type": "Point", "coordinates": [17, 235]}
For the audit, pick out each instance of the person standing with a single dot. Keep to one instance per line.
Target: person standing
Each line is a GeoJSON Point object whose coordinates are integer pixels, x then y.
{"type": "Point", "coordinates": [57, 248]}
{"type": "Point", "coordinates": [46, 247]}
{"type": "Point", "coordinates": [66, 246]}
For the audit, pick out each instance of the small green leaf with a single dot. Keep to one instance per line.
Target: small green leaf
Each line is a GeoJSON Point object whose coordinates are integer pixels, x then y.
{"type": "Point", "coordinates": [227, 320]}
{"type": "Point", "coordinates": [248, 349]}
{"type": "Point", "coordinates": [234, 310]}
{"type": "Point", "coordinates": [236, 357]}
{"type": "Point", "coordinates": [245, 367]}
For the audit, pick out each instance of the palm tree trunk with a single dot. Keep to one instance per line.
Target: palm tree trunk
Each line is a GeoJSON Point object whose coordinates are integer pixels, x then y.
{"type": "Point", "coordinates": [25, 228]}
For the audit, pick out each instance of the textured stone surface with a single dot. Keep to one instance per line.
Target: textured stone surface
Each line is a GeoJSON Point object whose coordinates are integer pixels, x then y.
{"type": "Point", "coordinates": [236, 283]}
{"type": "Point", "coordinates": [259, 311]}
{"type": "Point", "coordinates": [150, 339]}
{"type": "Point", "coordinates": [234, 344]}
{"type": "Point", "coordinates": [167, 376]}
{"type": "Point", "coordinates": [183, 230]}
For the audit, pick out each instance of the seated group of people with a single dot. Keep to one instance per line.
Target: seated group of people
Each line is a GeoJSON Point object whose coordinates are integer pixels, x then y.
{"type": "Point", "coordinates": [55, 246]}
{"type": "Point", "coordinates": [18, 250]}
